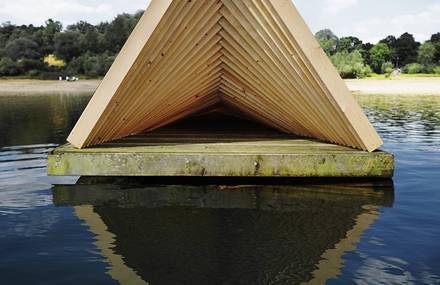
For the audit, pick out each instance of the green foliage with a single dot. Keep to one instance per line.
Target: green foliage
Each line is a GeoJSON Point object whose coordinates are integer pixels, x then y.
{"type": "Point", "coordinates": [119, 30]}
{"type": "Point", "coordinates": [349, 44]}
{"type": "Point", "coordinates": [435, 40]}
{"type": "Point", "coordinates": [89, 50]}
{"type": "Point", "coordinates": [413, 68]}
{"type": "Point", "coordinates": [91, 65]}
{"type": "Point", "coordinates": [9, 67]}
{"type": "Point", "coordinates": [68, 45]}
{"type": "Point", "coordinates": [350, 65]}
{"type": "Point", "coordinates": [86, 49]}
{"type": "Point", "coordinates": [379, 55]}
{"type": "Point", "coordinates": [387, 68]}
{"type": "Point", "coordinates": [365, 50]}
{"type": "Point", "coordinates": [436, 70]}
{"type": "Point", "coordinates": [406, 48]}
{"type": "Point", "coordinates": [426, 54]}
{"type": "Point", "coordinates": [21, 47]}
{"type": "Point", "coordinates": [328, 41]}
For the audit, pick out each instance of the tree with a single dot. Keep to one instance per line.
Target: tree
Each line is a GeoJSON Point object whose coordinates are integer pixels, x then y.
{"type": "Point", "coordinates": [391, 41]}
{"type": "Point", "coordinates": [93, 41]}
{"type": "Point", "coordinates": [350, 65]}
{"type": "Point", "coordinates": [387, 68]}
{"type": "Point", "coordinates": [328, 41]}
{"type": "Point", "coordinates": [426, 54]}
{"type": "Point", "coordinates": [97, 65]}
{"type": "Point", "coordinates": [435, 40]}
{"type": "Point", "coordinates": [365, 51]}
{"type": "Point", "coordinates": [406, 49]}
{"type": "Point", "coordinates": [45, 37]}
{"type": "Point", "coordinates": [6, 30]}
{"type": "Point", "coordinates": [9, 67]}
{"type": "Point", "coordinates": [81, 27]}
{"type": "Point", "coordinates": [118, 31]}
{"type": "Point", "coordinates": [91, 65]}
{"type": "Point", "coordinates": [68, 45]}
{"type": "Point", "coordinates": [21, 48]}
{"type": "Point", "coordinates": [349, 44]}
{"type": "Point", "coordinates": [379, 54]}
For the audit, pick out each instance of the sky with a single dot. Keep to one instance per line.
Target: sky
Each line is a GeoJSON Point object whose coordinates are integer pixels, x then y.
{"type": "Point", "coordinates": [370, 20]}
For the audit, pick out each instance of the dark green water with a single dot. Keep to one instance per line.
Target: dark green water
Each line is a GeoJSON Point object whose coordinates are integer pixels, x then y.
{"type": "Point", "coordinates": [137, 234]}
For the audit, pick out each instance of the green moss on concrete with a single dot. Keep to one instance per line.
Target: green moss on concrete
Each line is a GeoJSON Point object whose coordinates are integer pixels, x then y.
{"type": "Point", "coordinates": [256, 159]}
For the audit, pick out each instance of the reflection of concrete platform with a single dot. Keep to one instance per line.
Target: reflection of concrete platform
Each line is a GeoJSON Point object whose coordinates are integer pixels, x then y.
{"type": "Point", "coordinates": [265, 234]}
{"type": "Point", "coordinates": [236, 194]}
{"type": "Point", "coordinates": [243, 149]}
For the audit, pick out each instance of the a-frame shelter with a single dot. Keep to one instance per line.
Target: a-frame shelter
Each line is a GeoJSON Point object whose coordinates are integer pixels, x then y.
{"type": "Point", "coordinates": [256, 57]}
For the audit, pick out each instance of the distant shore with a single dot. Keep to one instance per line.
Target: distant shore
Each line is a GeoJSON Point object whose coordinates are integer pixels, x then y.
{"type": "Point", "coordinates": [396, 86]}
{"type": "Point", "coordinates": [31, 86]}
{"type": "Point", "coordinates": [401, 86]}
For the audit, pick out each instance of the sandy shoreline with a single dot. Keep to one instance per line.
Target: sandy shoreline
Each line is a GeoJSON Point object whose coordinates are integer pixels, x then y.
{"type": "Point", "coordinates": [403, 86]}
{"type": "Point", "coordinates": [30, 86]}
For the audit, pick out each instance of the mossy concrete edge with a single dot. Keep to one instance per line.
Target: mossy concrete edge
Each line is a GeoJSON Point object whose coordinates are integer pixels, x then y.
{"type": "Point", "coordinates": [313, 164]}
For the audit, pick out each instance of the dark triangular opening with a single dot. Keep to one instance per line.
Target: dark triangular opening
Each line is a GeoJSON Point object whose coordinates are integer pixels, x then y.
{"type": "Point", "coordinates": [219, 122]}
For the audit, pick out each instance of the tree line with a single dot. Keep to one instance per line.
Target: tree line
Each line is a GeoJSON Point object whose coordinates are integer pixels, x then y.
{"type": "Point", "coordinates": [355, 59]}
{"type": "Point", "coordinates": [49, 51]}
{"type": "Point", "coordinates": [83, 49]}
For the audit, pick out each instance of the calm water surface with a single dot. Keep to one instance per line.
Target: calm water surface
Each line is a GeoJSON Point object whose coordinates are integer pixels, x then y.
{"type": "Point", "coordinates": [134, 234]}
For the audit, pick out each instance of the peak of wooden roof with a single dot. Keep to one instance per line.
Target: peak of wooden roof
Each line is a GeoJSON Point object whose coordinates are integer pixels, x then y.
{"type": "Point", "coordinates": [256, 56]}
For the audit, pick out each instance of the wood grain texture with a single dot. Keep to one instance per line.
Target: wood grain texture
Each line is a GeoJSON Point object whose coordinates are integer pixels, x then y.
{"type": "Point", "coordinates": [255, 56]}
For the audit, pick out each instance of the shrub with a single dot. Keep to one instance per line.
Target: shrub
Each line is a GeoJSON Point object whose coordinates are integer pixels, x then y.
{"type": "Point", "coordinates": [350, 65]}
{"type": "Point", "coordinates": [52, 60]}
{"type": "Point", "coordinates": [426, 53]}
{"type": "Point", "coordinates": [379, 55]}
{"type": "Point", "coordinates": [33, 73]}
{"type": "Point", "coordinates": [21, 48]}
{"type": "Point", "coordinates": [387, 68]}
{"type": "Point", "coordinates": [30, 64]}
{"type": "Point", "coordinates": [436, 70]}
{"type": "Point", "coordinates": [413, 68]}
{"type": "Point", "coordinates": [51, 75]}
{"type": "Point", "coordinates": [9, 67]}
{"type": "Point", "coordinates": [91, 65]}
{"type": "Point", "coordinates": [97, 65]}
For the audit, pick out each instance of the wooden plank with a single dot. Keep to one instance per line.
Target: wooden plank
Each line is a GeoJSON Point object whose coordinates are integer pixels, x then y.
{"type": "Point", "coordinates": [256, 56]}
{"type": "Point", "coordinates": [127, 56]}
{"type": "Point", "coordinates": [326, 72]}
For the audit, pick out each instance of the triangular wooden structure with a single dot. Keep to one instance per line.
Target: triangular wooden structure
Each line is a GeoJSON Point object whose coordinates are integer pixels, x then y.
{"type": "Point", "coordinates": [257, 57]}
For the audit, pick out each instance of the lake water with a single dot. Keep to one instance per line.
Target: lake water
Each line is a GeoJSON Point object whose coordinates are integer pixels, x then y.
{"type": "Point", "coordinates": [124, 233]}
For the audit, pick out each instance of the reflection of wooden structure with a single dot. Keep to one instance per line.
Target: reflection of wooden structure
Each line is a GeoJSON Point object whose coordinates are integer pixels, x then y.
{"type": "Point", "coordinates": [255, 57]}
{"type": "Point", "coordinates": [171, 234]}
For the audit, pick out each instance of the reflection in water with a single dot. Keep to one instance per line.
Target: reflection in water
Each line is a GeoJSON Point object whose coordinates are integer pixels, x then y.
{"type": "Point", "coordinates": [38, 119]}
{"type": "Point", "coordinates": [226, 235]}
{"type": "Point", "coordinates": [51, 245]}
{"type": "Point", "coordinates": [406, 119]}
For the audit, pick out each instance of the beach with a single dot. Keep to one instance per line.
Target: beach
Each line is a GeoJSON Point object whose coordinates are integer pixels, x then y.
{"type": "Point", "coordinates": [400, 86]}
{"type": "Point", "coordinates": [35, 87]}
{"type": "Point", "coordinates": [397, 86]}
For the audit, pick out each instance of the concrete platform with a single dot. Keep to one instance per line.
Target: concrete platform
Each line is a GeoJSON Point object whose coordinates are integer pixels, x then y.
{"type": "Point", "coordinates": [241, 149]}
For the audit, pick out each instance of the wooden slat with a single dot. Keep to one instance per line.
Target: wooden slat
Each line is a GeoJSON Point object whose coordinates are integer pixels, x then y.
{"type": "Point", "coordinates": [255, 56]}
